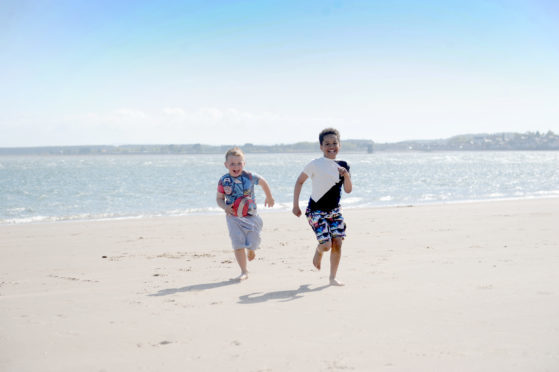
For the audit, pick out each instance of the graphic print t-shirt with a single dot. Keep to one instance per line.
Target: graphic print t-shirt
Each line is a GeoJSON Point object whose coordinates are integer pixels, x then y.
{"type": "Point", "coordinates": [235, 187]}
{"type": "Point", "coordinates": [326, 183]}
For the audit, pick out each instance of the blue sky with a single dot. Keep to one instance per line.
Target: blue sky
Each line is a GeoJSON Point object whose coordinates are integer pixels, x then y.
{"type": "Point", "coordinates": [265, 72]}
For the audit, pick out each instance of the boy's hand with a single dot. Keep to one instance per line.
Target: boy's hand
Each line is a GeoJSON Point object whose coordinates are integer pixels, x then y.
{"type": "Point", "coordinates": [343, 171]}
{"type": "Point", "coordinates": [296, 211]}
{"type": "Point", "coordinates": [269, 202]}
{"type": "Point", "coordinates": [229, 209]}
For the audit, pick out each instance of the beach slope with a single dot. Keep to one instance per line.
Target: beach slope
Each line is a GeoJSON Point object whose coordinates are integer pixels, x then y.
{"type": "Point", "coordinates": [457, 287]}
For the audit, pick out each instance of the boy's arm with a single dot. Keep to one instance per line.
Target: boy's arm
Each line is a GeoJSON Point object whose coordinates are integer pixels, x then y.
{"type": "Point", "coordinates": [348, 186]}
{"type": "Point", "coordinates": [220, 199]}
{"type": "Point", "coordinates": [297, 191]}
{"type": "Point", "coordinates": [269, 200]}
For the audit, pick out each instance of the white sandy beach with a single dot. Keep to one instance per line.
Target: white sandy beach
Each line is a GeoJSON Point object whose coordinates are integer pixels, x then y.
{"type": "Point", "coordinates": [458, 287]}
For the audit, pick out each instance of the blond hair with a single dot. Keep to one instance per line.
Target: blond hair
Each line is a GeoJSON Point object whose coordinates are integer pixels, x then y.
{"type": "Point", "coordinates": [235, 151]}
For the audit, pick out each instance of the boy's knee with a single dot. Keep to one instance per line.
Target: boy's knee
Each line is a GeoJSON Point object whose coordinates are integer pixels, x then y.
{"type": "Point", "coordinates": [337, 243]}
{"type": "Point", "coordinates": [325, 247]}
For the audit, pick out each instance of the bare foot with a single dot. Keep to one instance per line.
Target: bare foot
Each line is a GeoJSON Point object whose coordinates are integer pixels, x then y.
{"type": "Point", "coordinates": [334, 281]}
{"type": "Point", "coordinates": [243, 276]}
{"type": "Point", "coordinates": [317, 259]}
{"type": "Point", "coordinates": [251, 254]}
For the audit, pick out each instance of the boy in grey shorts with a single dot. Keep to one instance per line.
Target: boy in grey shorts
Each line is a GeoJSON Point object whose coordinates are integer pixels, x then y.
{"type": "Point", "coordinates": [235, 195]}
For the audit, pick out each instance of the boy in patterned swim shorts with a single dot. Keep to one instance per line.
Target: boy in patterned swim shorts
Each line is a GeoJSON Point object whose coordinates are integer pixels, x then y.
{"type": "Point", "coordinates": [244, 228]}
{"type": "Point", "coordinates": [323, 211]}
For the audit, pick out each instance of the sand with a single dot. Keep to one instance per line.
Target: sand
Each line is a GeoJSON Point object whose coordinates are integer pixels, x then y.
{"type": "Point", "coordinates": [457, 287]}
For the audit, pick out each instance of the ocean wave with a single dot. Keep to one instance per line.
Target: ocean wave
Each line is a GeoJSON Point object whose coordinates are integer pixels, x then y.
{"type": "Point", "coordinates": [108, 216]}
{"type": "Point", "coordinates": [112, 187]}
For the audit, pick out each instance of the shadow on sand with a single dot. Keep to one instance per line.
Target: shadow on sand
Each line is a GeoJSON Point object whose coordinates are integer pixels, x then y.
{"type": "Point", "coordinates": [195, 287]}
{"type": "Point", "coordinates": [282, 296]}
{"type": "Point", "coordinates": [252, 298]}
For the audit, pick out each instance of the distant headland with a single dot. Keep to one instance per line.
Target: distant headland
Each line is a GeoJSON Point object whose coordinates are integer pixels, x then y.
{"type": "Point", "coordinates": [530, 141]}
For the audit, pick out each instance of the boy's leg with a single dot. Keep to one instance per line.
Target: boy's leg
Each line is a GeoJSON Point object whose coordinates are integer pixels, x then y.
{"type": "Point", "coordinates": [251, 254]}
{"type": "Point", "coordinates": [337, 227]}
{"type": "Point", "coordinates": [241, 257]}
{"type": "Point", "coordinates": [238, 240]}
{"type": "Point", "coordinates": [335, 257]}
{"type": "Point", "coordinates": [320, 227]}
{"type": "Point", "coordinates": [244, 233]}
{"type": "Point", "coordinates": [321, 248]}
{"type": "Point", "coordinates": [253, 237]}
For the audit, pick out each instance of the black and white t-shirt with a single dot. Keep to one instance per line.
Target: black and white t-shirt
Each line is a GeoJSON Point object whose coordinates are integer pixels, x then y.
{"type": "Point", "coordinates": [326, 183]}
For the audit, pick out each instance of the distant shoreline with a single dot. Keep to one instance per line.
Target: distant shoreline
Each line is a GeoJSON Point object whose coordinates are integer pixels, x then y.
{"type": "Point", "coordinates": [530, 141]}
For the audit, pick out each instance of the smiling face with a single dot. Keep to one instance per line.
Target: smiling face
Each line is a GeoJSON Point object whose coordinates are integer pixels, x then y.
{"type": "Point", "coordinates": [235, 164]}
{"type": "Point", "coordinates": [330, 146]}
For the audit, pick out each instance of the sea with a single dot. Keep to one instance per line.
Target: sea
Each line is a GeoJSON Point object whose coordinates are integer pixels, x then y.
{"type": "Point", "coordinates": [46, 189]}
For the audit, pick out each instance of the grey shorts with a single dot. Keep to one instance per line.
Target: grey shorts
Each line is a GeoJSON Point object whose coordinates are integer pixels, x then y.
{"type": "Point", "coordinates": [244, 231]}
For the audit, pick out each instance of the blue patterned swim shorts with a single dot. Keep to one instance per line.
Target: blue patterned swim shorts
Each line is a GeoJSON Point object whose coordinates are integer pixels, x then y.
{"type": "Point", "coordinates": [326, 225]}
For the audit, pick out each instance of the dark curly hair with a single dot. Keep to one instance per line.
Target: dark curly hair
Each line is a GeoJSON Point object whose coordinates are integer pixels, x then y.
{"type": "Point", "coordinates": [327, 132]}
